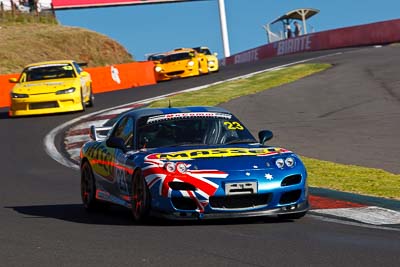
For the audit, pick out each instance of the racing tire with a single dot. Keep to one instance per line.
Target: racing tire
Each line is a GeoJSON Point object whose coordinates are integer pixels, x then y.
{"type": "Point", "coordinates": [88, 188]}
{"type": "Point", "coordinates": [90, 103]}
{"type": "Point", "coordinates": [83, 102]}
{"type": "Point", "coordinates": [292, 216]}
{"type": "Point", "coordinates": [140, 198]}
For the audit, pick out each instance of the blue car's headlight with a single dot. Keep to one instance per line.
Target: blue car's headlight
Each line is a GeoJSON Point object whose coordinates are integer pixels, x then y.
{"type": "Point", "coordinates": [172, 167]}
{"type": "Point", "coordinates": [66, 91]}
{"type": "Point", "coordinates": [181, 167]}
{"type": "Point", "coordinates": [281, 162]}
{"type": "Point", "coordinates": [15, 95]}
{"type": "Point", "coordinates": [289, 162]}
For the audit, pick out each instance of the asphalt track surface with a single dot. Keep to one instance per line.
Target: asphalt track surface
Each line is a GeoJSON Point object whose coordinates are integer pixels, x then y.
{"type": "Point", "coordinates": [348, 114]}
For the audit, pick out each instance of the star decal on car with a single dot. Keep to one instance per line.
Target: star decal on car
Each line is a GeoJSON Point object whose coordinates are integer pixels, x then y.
{"type": "Point", "coordinates": [268, 176]}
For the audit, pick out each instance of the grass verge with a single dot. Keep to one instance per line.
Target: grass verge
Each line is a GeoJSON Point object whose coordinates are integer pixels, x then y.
{"type": "Point", "coordinates": [348, 178]}
{"type": "Point", "coordinates": [354, 179]}
{"type": "Point", "coordinates": [223, 92]}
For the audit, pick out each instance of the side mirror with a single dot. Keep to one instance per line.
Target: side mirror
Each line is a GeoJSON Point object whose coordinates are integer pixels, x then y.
{"type": "Point", "coordinates": [216, 54]}
{"type": "Point", "coordinates": [92, 133]}
{"type": "Point", "coordinates": [264, 136]}
{"type": "Point", "coordinates": [116, 142]}
{"type": "Point", "coordinates": [13, 80]}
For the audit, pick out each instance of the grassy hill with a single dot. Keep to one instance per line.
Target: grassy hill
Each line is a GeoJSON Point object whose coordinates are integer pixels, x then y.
{"type": "Point", "coordinates": [23, 42]}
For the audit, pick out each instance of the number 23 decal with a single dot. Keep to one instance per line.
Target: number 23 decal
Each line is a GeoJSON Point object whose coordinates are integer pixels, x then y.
{"type": "Point", "coordinates": [234, 125]}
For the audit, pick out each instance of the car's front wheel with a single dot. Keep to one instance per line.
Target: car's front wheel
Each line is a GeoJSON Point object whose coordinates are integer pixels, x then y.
{"type": "Point", "coordinates": [140, 197]}
{"type": "Point", "coordinates": [88, 187]}
{"type": "Point", "coordinates": [90, 103]}
{"type": "Point", "coordinates": [83, 101]}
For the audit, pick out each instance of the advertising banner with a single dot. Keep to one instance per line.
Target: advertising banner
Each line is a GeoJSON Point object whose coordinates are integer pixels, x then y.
{"type": "Point", "coordinates": [377, 33]}
{"type": "Point", "coordinates": [66, 4]}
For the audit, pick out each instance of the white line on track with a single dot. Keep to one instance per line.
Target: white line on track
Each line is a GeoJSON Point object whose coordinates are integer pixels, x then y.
{"type": "Point", "coordinates": [351, 223]}
{"type": "Point", "coordinates": [115, 112]}
{"type": "Point", "coordinates": [86, 125]}
{"type": "Point", "coordinates": [370, 215]}
{"type": "Point", "coordinates": [76, 138]}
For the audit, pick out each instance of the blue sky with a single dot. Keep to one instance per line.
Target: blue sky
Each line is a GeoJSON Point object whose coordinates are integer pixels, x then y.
{"type": "Point", "coordinates": [144, 29]}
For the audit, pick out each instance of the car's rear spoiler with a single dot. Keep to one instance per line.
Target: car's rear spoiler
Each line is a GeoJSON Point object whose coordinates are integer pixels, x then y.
{"type": "Point", "coordinates": [98, 133]}
{"type": "Point", "coordinates": [83, 64]}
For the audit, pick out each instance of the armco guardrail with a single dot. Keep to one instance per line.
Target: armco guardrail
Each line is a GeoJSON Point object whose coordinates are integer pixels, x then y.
{"type": "Point", "coordinates": [105, 79]}
{"type": "Point", "coordinates": [5, 88]}
{"type": "Point", "coordinates": [369, 34]}
{"type": "Point", "coordinates": [122, 76]}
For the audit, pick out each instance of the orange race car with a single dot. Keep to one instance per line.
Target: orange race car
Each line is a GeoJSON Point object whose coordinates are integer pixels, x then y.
{"type": "Point", "coordinates": [180, 63]}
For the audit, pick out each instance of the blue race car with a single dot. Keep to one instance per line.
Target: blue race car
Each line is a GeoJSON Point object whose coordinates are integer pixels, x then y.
{"type": "Point", "coordinates": [190, 163]}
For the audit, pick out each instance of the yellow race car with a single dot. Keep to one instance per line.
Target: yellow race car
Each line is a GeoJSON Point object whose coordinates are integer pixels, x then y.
{"type": "Point", "coordinates": [180, 63]}
{"type": "Point", "coordinates": [51, 87]}
{"type": "Point", "coordinates": [212, 59]}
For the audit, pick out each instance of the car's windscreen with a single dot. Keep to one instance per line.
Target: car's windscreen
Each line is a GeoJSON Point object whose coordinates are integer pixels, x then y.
{"type": "Point", "coordinates": [177, 57]}
{"type": "Point", "coordinates": [192, 131]}
{"type": "Point", "coordinates": [204, 51]}
{"type": "Point", "coordinates": [155, 57]}
{"type": "Point", "coordinates": [48, 72]}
